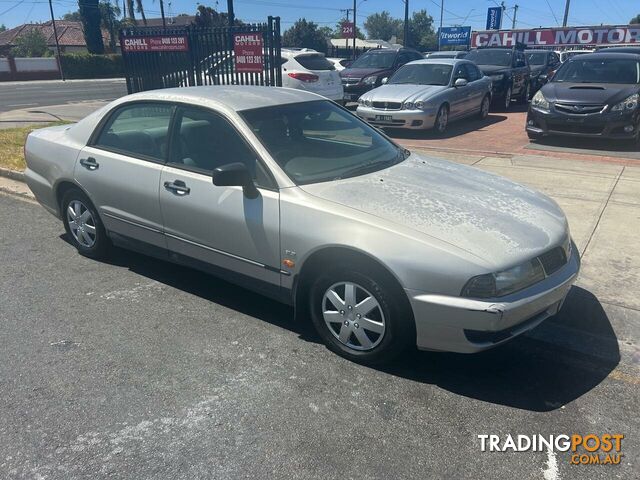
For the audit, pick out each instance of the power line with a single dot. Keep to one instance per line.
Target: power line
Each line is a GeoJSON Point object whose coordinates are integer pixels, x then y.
{"type": "Point", "coordinates": [11, 8]}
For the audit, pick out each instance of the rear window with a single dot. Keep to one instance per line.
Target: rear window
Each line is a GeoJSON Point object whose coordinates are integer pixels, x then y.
{"type": "Point", "coordinates": [314, 62]}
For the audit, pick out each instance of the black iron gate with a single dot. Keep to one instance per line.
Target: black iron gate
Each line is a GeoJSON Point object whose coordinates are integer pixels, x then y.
{"type": "Point", "coordinates": [157, 57]}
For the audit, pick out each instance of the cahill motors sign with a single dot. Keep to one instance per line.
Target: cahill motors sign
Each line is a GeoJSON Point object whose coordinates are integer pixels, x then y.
{"type": "Point", "coordinates": [157, 43]}
{"type": "Point", "coordinates": [603, 35]}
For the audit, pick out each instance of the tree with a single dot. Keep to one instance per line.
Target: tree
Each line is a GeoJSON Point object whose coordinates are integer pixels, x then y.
{"type": "Point", "coordinates": [421, 33]}
{"type": "Point", "coordinates": [90, 15]}
{"type": "Point", "coordinates": [306, 35]}
{"type": "Point", "coordinates": [131, 11]}
{"type": "Point", "coordinates": [208, 17]}
{"type": "Point", "coordinates": [31, 44]}
{"type": "Point", "coordinates": [382, 26]}
{"type": "Point", "coordinates": [2, 27]}
{"type": "Point", "coordinates": [140, 10]}
{"type": "Point", "coordinates": [72, 16]}
{"type": "Point", "coordinates": [109, 14]}
{"type": "Point", "coordinates": [635, 20]}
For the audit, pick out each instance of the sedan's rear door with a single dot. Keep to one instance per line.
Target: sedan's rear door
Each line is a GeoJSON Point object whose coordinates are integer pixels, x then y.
{"type": "Point", "coordinates": [120, 169]}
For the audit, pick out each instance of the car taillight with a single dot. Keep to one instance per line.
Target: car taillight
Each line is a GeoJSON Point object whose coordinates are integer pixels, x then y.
{"type": "Point", "coordinates": [304, 77]}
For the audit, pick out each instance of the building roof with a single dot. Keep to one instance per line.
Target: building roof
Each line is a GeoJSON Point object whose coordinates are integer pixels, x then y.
{"type": "Point", "coordinates": [70, 33]}
{"type": "Point", "coordinates": [179, 20]}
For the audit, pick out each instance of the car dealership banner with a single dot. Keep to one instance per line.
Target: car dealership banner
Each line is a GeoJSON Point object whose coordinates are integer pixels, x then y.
{"type": "Point", "coordinates": [602, 35]}
{"type": "Point", "coordinates": [247, 48]}
{"type": "Point", "coordinates": [157, 43]}
{"type": "Point", "coordinates": [494, 18]}
{"type": "Point", "coordinates": [455, 36]}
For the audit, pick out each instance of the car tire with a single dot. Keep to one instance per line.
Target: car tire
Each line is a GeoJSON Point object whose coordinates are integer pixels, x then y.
{"type": "Point", "coordinates": [533, 136]}
{"type": "Point", "coordinates": [506, 100]}
{"type": "Point", "coordinates": [485, 105]}
{"type": "Point", "coordinates": [442, 120]}
{"type": "Point", "coordinates": [524, 97]}
{"type": "Point", "coordinates": [83, 225]}
{"type": "Point", "coordinates": [377, 328]}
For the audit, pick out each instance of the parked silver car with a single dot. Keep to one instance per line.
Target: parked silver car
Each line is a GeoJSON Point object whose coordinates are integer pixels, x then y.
{"type": "Point", "coordinates": [287, 193]}
{"type": "Point", "coordinates": [428, 94]}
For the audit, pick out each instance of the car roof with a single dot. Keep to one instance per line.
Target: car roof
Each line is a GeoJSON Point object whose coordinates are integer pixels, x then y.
{"type": "Point", "coordinates": [228, 97]}
{"type": "Point", "coordinates": [623, 49]}
{"type": "Point", "coordinates": [537, 50]}
{"type": "Point", "coordinates": [602, 54]}
{"type": "Point", "coordinates": [439, 61]}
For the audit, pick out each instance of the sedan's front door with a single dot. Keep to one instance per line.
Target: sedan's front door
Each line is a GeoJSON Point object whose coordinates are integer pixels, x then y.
{"type": "Point", "coordinates": [220, 226]}
{"type": "Point", "coordinates": [120, 170]}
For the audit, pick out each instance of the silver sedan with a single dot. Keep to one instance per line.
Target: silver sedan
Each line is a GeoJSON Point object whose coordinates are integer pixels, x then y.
{"type": "Point", "coordinates": [428, 94]}
{"type": "Point", "coordinates": [289, 194]}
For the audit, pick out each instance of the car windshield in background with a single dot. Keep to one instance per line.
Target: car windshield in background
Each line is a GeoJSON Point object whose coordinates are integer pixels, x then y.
{"type": "Point", "coordinates": [319, 141]}
{"type": "Point", "coordinates": [537, 58]}
{"type": "Point", "coordinates": [422, 74]}
{"type": "Point", "coordinates": [375, 60]}
{"type": "Point", "coordinates": [314, 62]}
{"type": "Point", "coordinates": [607, 70]}
{"type": "Point", "coordinates": [490, 57]}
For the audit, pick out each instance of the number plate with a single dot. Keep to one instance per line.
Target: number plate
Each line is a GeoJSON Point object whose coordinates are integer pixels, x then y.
{"type": "Point", "coordinates": [384, 118]}
{"type": "Point", "coordinates": [575, 120]}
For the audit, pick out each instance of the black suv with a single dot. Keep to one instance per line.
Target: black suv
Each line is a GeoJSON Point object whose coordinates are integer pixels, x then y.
{"type": "Point", "coordinates": [509, 71]}
{"type": "Point", "coordinates": [368, 70]}
{"type": "Point", "coordinates": [543, 64]}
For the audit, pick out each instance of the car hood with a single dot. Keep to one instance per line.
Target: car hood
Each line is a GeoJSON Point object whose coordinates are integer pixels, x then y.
{"type": "Point", "coordinates": [493, 69]}
{"type": "Point", "coordinates": [363, 72]}
{"type": "Point", "coordinates": [403, 93]}
{"type": "Point", "coordinates": [595, 93]}
{"type": "Point", "coordinates": [494, 219]}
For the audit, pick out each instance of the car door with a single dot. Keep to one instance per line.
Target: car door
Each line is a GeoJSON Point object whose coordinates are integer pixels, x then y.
{"type": "Point", "coordinates": [120, 169]}
{"type": "Point", "coordinates": [459, 96]}
{"type": "Point", "coordinates": [521, 76]}
{"type": "Point", "coordinates": [476, 91]}
{"type": "Point", "coordinates": [219, 226]}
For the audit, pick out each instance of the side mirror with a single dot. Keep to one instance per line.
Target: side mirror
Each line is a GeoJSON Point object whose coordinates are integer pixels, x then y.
{"type": "Point", "coordinates": [384, 80]}
{"type": "Point", "coordinates": [460, 82]}
{"type": "Point", "coordinates": [235, 175]}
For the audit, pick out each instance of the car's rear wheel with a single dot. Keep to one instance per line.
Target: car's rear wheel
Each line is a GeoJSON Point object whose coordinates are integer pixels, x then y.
{"type": "Point", "coordinates": [524, 97]}
{"type": "Point", "coordinates": [533, 136]}
{"type": "Point", "coordinates": [359, 317]}
{"type": "Point", "coordinates": [507, 99]}
{"type": "Point", "coordinates": [484, 107]}
{"type": "Point", "coordinates": [83, 225]}
{"type": "Point", "coordinates": [442, 120]}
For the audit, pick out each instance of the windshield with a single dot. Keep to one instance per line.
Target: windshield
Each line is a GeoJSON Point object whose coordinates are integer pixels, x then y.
{"type": "Point", "coordinates": [606, 70]}
{"type": "Point", "coordinates": [490, 57]}
{"type": "Point", "coordinates": [537, 58]}
{"type": "Point", "coordinates": [422, 74]}
{"type": "Point", "coordinates": [319, 141]}
{"type": "Point", "coordinates": [375, 60]}
{"type": "Point", "coordinates": [314, 62]}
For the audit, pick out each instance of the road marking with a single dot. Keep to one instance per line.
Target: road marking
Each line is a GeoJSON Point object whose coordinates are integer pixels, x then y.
{"type": "Point", "coordinates": [551, 472]}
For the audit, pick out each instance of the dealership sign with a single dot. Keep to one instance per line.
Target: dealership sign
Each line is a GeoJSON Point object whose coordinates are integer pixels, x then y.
{"type": "Point", "coordinates": [603, 35]}
{"type": "Point", "coordinates": [157, 43]}
{"type": "Point", "coordinates": [247, 48]}
{"type": "Point", "coordinates": [455, 36]}
{"type": "Point", "coordinates": [494, 18]}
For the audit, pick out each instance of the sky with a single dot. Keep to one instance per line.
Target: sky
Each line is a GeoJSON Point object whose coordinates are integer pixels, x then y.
{"type": "Point", "coordinates": [327, 12]}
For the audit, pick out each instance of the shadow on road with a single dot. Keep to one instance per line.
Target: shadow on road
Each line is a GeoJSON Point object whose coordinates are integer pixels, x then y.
{"type": "Point", "coordinates": [529, 373]}
{"type": "Point", "coordinates": [595, 146]}
{"type": "Point", "coordinates": [455, 129]}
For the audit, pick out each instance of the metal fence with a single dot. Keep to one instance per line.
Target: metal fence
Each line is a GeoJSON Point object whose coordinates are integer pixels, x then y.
{"type": "Point", "coordinates": [347, 51]}
{"type": "Point", "coordinates": [208, 58]}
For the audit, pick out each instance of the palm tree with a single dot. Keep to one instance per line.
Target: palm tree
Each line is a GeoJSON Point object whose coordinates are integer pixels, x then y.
{"type": "Point", "coordinates": [635, 20]}
{"type": "Point", "coordinates": [140, 10]}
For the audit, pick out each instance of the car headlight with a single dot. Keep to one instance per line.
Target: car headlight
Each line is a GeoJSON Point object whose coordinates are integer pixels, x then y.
{"type": "Point", "coordinates": [497, 78]}
{"type": "Point", "coordinates": [408, 105]}
{"type": "Point", "coordinates": [502, 283]}
{"type": "Point", "coordinates": [367, 102]}
{"type": "Point", "coordinates": [419, 104]}
{"type": "Point", "coordinates": [539, 101]}
{"type": "Point", "coordinates": [629, 103]}
{"type": "Point", "coordinates": [371, 80]}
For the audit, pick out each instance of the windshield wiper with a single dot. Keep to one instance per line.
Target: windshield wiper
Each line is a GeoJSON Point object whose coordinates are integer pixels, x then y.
{"type": "Point", "coordinates": [403, 153]}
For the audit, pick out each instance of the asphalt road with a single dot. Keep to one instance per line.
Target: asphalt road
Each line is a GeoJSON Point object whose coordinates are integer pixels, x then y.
{"type": "Point", "coordinates": [138, 369]}
{"type": "Point", "coordinates": [20, 95]}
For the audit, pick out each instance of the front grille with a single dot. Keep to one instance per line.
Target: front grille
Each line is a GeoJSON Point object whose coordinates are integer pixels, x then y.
{"type": "Point", "coordinates": [553, 260]}
{"type": "Point", "coordinates": [579, 109]}
{"type": "Point", "coordinates": [350, 81]}
{"type": "Point", "coordinates": [575, 128]}
{"type": "Point", "coordinates": [387, 105]}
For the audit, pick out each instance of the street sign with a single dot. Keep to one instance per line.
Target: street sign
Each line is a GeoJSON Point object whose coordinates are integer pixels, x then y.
{"type": "Point", "coordinates": [455, 36]}
{"type": "Point", "coordinates": [157, 43]}
{"type": "Point", "coordinates": [494, 18]}
{"type": "Point", "coordinates": [348, 30]}
{"type": "Point", "coordinates": [248, 48]}
{"type": "Point", "coordinates": [600, 35]}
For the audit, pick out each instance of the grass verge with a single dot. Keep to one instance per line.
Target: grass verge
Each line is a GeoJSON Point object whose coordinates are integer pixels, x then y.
{"type": "Point", "coordinates": [12, 143]}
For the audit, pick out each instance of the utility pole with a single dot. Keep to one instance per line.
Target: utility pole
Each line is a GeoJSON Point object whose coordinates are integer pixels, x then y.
{"type": "Point", "coordinates": [355, 18]}
{"type": "Point", "coordinates": [55, 35]}
{"type": "Point", "coordinates": [566, 13]}
{"type": "Point", "coordinates": [440, 29]}
{"type": "Point", "coordinates": [515, 12]}
{"type": "Point", "coordinates": [406, 23]}
{"type": "Point", "coordinates": [232, 17]}
{"type": "Point", "coordinates": [164, 21]}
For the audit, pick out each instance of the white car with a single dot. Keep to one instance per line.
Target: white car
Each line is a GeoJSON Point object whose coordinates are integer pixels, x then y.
{"type": "Point", "coordinates": [567, 54]}
{"type": "Point", "coordinates": [339, 63]}
{"type": "Point", "coordinates": [302, 69]}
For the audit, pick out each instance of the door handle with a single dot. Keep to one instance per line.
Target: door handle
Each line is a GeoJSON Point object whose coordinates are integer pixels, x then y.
{"type": "Point", "coordinates": [89, 163]}
{"type": "Point", "coordinates": [178, 187]}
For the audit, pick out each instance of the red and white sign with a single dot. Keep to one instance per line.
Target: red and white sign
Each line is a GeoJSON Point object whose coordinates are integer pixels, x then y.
{"type": "Point", "coordinates": [348, 30]}
{"type": "Point", "coordinates": [159, 43]}
{"type": "Point", "coordinates": [247, 48]}
{"type": "Point", "coordinates": [603, 35]}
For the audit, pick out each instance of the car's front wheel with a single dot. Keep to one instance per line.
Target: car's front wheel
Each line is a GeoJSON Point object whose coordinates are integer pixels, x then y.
{"type": "Point", "coordinates": [507, 99]}
{"type": "Point", "coordinates": [83, 224]}
{"type": "Point", "coordinates": [442, 120]}
{"type": "Point", "coordinates": [484, 107]}
{"type": "Point", "coordinates": [361, 318]}
{"type": "Point", "coordinates": [524, 97]}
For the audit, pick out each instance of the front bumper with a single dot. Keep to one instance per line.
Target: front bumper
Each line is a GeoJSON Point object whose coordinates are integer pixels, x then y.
{"type": "Point", "coordinates": [464, 325]}
{"type": "Point", "coordinates": [595, 125]}
{"type": "Point", "coordinates": [353, 91]}
{"type": "Point", "coordinates": [408, 119]}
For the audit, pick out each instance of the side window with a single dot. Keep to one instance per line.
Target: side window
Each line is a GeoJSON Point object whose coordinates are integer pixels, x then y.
{"type": "Point", "coordinates": [472, 72]}
{"type": "Point", "coordinates": [554, 59]}
{"type": "Point", "coordinates": [205, 140]}
{"type": "Point", "coordinates": [461, 72]}
{"type": "Point", "coordinates": [416, 56]}
{"type": "Point", "coordinates": [520, 60]}
{"type": "Point", "coordinates": [403, 58]}
{"type": "Point", "coordinates": [138, 130]}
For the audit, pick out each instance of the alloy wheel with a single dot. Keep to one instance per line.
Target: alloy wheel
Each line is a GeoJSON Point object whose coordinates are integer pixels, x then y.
{"type": "Point", "coordinates": [353, 316]}
{"type": "Point", "coordinates": [484, 108]}
{"type": "Point", "coordinates": [441, 121]}
{"type": "Point", "coordinates": [81, 223]}
{"type": "Point", "coordinates": [507, 99]}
